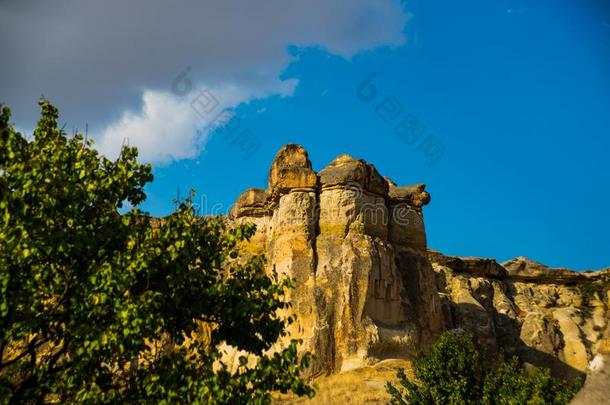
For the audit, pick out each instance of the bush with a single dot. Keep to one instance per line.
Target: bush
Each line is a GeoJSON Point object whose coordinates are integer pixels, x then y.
{"type": "Point", "coordinates": [455, 373]}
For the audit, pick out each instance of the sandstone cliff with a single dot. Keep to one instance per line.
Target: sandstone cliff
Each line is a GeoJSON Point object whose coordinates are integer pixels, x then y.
{"type": "Point", "coordinates": [549, 317]}
{"type": "Point", "coordinates": [367, 288]}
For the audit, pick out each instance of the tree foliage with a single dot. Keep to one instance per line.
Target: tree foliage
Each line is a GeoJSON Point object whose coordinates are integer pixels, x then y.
{"type": "Point", "coordinates": [455, 372]}
{"type": "Point", "coordinates": [99, 307]}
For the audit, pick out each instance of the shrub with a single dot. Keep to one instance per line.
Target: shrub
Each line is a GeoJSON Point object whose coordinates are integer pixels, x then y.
{"type": "Point", "coordinates": [455, 373]}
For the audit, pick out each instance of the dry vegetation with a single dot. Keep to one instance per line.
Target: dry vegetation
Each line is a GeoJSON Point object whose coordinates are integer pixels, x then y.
{"type": "Point", "coordinates": [364, 385]}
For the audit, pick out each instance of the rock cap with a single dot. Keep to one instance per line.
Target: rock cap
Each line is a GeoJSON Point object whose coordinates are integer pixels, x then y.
{"type": "Point", "coordinates": [415, 195]}
{"type": "Point", "coordinates": [291, 169]}
{"type": "Point", "coordinates": [250, 203]}
{"type": "Point", "coordinates": [351, 172]}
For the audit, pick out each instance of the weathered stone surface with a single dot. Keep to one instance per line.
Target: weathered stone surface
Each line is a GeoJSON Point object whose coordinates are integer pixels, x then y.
{"type": "Point", "coordinates": [548, 319]}
{"type": "Point", "coordinates": [415, 195]}
{"type": "Point", "coordinates": [406, 226]}
{"type": "Point", "coordinates": [472, 265]}
{"type": "Point", "coordinates": [357, 284]}
{"type": "Point", "coordinates": [367, 288]}
{"type": "Point", "coordinates": [574, 348]}
{"type": "Point", "coordinates": [347, 171]}
{"type": "Point", "coordinates": [354, 266]}
{"type": "Point", "coordinates": [291, 169]}
{"type": "Point", "coordinates": [250, 203]}
{"type": "Point", "coordinates": [540, 333]}
{"type": "Point", "coordinates": [522, 268]}
{"type": "Point", "coordinates": [597, 385]}
{"type": "Point", "coordinates": [406, 218]}
{"type": "Point", "coordinates": [290, 252]}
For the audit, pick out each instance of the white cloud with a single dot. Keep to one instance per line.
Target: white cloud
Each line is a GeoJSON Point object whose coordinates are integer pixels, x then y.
{"type": "Point", "coordinates": [111, 64]}
{"type": "Point", "coordinates": [169, 128]}
{"type": "Point", "coordinates": [163, 130]}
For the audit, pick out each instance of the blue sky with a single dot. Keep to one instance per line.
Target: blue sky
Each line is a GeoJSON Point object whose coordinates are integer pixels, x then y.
{"type": "Point", "coordinates": [518, 94]}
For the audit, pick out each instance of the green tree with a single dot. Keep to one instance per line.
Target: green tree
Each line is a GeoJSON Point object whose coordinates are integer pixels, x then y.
{"type": "Point", "coordinates": [99, 307]}
{"type": "Point", "coordinates": [455, 373]}
{"type": "Point", "coordinates": [508, 384]}
{"type": "Point", "coordinates": [451, 374]}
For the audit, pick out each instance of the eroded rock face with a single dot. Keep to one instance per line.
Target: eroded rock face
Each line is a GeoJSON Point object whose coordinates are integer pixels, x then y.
{"type": "Point", "coordinates": [290, 170]}
{"type": "Point", "coordinates": [597, 387]}
{"type": "Point", "coordinates": [548, 318]}
{"type": "Point", "coordinates": [346, 171]}
{"type": "Point", "coordinates": [367, 288]}
{"type": "Point", "coordinates": [353, 250]}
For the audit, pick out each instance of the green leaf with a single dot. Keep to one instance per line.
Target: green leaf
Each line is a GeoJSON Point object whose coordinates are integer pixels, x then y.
{"type": "Point", "coordinates": [117, 295]}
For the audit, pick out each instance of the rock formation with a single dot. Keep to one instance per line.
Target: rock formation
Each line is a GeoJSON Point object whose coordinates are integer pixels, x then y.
{"type": "Point", "coordinates": [548, 317]}
{"type": "Point", "coordinates": [367, 288]}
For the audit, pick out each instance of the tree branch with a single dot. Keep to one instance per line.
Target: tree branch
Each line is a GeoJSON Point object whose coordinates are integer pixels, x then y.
{"type": "Point", "coordinates": [30, 349]}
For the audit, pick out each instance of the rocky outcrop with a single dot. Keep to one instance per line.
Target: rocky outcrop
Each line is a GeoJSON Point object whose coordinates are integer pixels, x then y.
{"type": "Point", "coordinates": [367, 287]}
{"type": "Point", "coordinates": [552, 318]}
{"type": "Point", "coordinates": [355, 245]}
{"type": "Point", "coordinates": [597, 384]}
